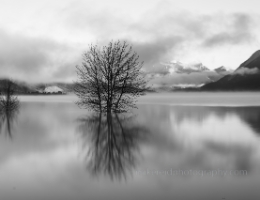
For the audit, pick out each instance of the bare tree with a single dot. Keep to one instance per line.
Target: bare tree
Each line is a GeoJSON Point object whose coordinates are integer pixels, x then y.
{"type": "Point", "coordinates": [9, 105]}
{"type": "Point", "coordinates": [109, 79]}
{"type": "Point", "coordinates": [9, 100]}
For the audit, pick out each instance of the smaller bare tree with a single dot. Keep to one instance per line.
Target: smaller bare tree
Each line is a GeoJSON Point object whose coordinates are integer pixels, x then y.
{"type": "Point", "coordinates": [110, 78]}
{"type": "Point", "coordinates": [8, 99]}
{"type": "Point", "coordinates": [9, 105]}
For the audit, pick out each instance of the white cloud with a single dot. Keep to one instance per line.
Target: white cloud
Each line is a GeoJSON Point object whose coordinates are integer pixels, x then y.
{"type": "Point", "coordinates": [35, 59]}
{"type": "Point", "coordinates": [244, 71]}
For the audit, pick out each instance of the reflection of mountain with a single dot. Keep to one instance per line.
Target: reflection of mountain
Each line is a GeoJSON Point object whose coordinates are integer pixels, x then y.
{"type": "Point", "coordinates": [112, 142]}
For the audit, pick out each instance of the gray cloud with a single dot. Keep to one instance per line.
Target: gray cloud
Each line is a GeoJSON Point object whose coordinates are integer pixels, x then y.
{"type": "Point", "coordinates": [31, 59]}
{"type": "Point", "coordinates": [156, 50]}
{"type": "Point", "coordinates": [22, 53]}
{"type": "Point", "coordinates": [159, 34]}
{"type": "Point", "coordinates": [240, 31]}
{"type": "Point", "coordinates": [67, 70]}
{"type": "Point", "coordinates": [179, 32]}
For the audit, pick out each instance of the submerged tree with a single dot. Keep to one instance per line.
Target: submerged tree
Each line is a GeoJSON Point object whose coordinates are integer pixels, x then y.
{"type": "Point", "coordinates": [9, 106]}
{"type": "Point", "coordinates": [8, 98]}
{"type": "Point", "coordinates": [109, 79]}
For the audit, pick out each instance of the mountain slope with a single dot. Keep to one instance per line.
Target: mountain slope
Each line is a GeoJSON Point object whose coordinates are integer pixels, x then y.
{"type": "Point", "coordinates": [252, 62]}
{"type": "Point", "coordinates": [245, 77]}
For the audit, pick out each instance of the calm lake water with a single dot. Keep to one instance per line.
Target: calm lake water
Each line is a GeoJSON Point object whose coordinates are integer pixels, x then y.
{"type": "Point", "coordinates": [179, 146]}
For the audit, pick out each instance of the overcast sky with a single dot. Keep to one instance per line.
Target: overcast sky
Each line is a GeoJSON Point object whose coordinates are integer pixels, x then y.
{"type": "Point", "coordinates": [43, 40]}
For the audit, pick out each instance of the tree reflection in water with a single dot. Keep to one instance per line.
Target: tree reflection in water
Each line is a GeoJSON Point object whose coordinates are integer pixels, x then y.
{"type": "Point", "coordinates": [111, 143]}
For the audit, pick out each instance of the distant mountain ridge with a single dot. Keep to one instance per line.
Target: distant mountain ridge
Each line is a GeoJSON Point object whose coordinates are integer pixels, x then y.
{"type": "Point", "coordinates": [245, 77]}
{"type": "Point", "coordinates": [25, 88]}
{"type": "Point", "coordinates": [54, 87]}
{"type": "Point", "coordinates": [221, 69]}
{"type": "Point", "coordinates": [176, 75]}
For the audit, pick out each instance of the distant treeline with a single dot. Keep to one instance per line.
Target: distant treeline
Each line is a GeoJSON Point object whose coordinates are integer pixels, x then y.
{"type": "Point", "coordinates": [22, 88]}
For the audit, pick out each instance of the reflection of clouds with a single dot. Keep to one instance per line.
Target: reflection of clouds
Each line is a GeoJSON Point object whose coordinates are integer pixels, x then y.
{"type": "Point", "coordinates": [41, 128]}
{"type": "Point", "coordinates": [235, 156]}
{"type": "Point", "coordinates": [35, 174]}
{"type": "Point", "coordinates": [226, 129]}
{"type": "Point", "coordinates": [216, 141]}
{"type": "Point", "coordinates": [44, 162]}
{"type": "Point", "coordinates": [200, 138]}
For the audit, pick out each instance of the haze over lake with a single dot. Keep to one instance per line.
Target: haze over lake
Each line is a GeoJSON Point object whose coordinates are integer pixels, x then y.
{"type": "Point", "coordinates": [201, 143]}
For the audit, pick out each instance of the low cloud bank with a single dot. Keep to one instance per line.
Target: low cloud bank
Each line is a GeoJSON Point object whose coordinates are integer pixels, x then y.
{"type": "Point", "coordinates": [245, 71]}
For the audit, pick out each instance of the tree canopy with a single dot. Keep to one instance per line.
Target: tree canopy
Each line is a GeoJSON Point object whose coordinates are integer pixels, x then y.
{"type": "Point", "coordinates": [110, 78]}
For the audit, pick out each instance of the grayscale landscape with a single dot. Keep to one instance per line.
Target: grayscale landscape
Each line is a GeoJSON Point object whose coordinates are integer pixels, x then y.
{"type": "Point", "coordinates": [129, 100]}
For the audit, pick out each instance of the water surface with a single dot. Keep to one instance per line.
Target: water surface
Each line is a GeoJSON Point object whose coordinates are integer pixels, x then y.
{"type": "Point", "coordinates": [169, 148]}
